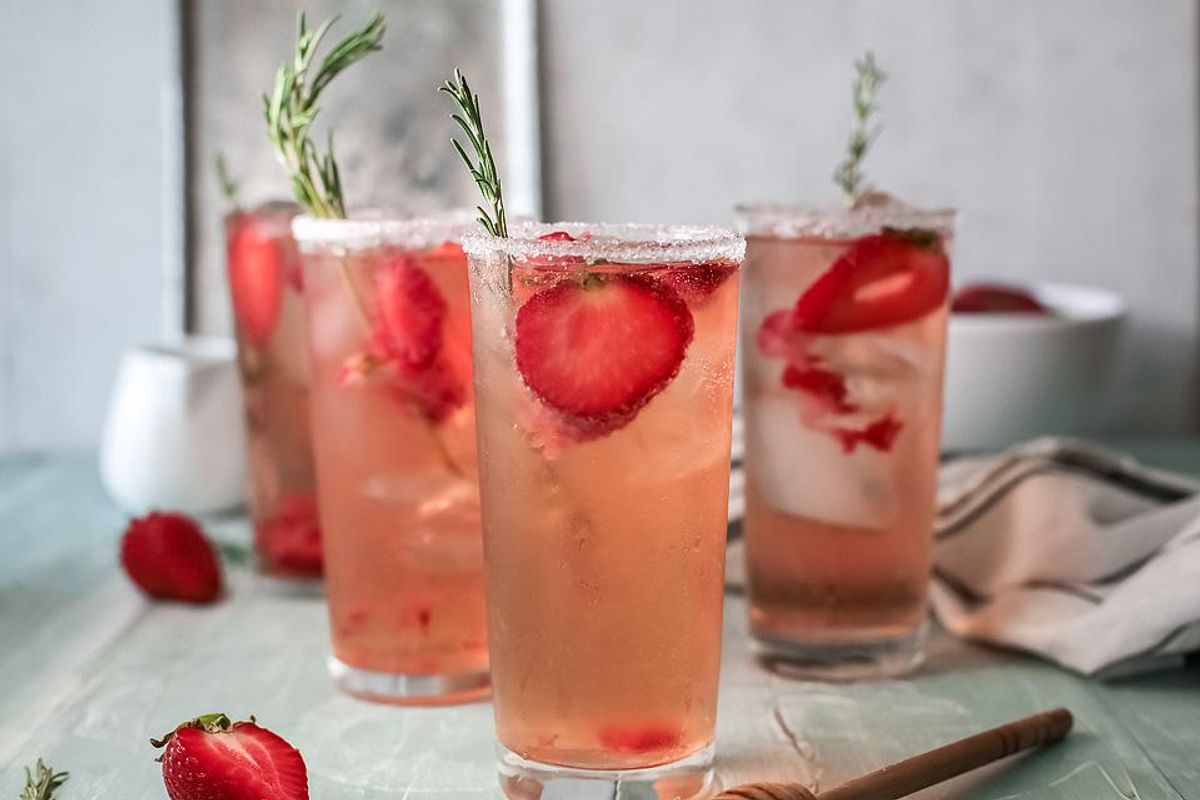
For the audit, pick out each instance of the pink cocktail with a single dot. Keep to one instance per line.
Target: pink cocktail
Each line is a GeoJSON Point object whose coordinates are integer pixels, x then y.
{"type": "Point", "coordinates": [843, 330]}
{"type": "Point", "coordinates": [266, 289]}
{"type": "Point", "coordinates": [394, 432]}
{"type": "Point", "coordinates": [603, 372]}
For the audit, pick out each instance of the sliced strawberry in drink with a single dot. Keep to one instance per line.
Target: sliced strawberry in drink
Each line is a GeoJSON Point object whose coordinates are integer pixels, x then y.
{"type": "Point", "coordinates": [291, 538]}
{"type": "Point", "coordinates": [695, 283]}
{"type": "Point", "coordinates": [598, 349]}
{"type": "Point", "coordinates": [995, 298]}
{"type": "Point", "coordinates": [411, 314]}
{"type": "Point", "coordinates": [447, 250]}
{"type": "Point", "coordinates": [557, 236]}
{"type": "Point", "coordinates": [437, 391]}
{"type": "Point", "coordinates": [882, 280]}
{"type": "Point", "coordinates": [880, 434]}
{"type": "Point", "coordinates": [255, 278]}
{"type": "Point", "coordinates": [640, 738]}
{"type": "Point", "coordinates": [827, 387]}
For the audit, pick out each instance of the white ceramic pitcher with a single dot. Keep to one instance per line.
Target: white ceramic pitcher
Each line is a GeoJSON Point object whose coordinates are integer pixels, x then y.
{"type": "Point", "coordinates": [174, 435]}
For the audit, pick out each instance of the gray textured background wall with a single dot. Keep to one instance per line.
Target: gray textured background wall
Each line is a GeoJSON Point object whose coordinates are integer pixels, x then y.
{"type": "Point", "coordinates": [1066, 131]}
{"type": "Point", "coordinates": [90, 206]}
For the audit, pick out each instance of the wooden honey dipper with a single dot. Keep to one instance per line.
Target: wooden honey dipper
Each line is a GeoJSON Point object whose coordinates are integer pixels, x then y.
{"type": "Point", "coordinates": [916, 773]}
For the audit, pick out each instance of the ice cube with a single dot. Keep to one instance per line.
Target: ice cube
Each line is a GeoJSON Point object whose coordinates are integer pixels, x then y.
{"type": "Point", "coordinates": [806, 472]}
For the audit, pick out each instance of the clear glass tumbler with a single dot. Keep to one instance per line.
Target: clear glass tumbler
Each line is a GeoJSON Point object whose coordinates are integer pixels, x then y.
{"type": "Point", "coordinates": [394, 432]}
{"type": "Point", "coordinates": [603, 374]}
{"type": "Point", "coordinates": [843, 335]}
{"type": "Point", "coordinates": [266, 288]}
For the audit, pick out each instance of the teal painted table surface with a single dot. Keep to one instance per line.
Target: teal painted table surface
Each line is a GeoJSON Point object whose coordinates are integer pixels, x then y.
{"type": "Point", "coordinates": [89, 671]}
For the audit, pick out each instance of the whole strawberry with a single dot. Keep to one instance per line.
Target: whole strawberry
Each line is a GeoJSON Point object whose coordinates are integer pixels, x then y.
{"type": "Point", "coordinates": [212, 758]}
{"type": "Point", "coordinates": [170, 558]}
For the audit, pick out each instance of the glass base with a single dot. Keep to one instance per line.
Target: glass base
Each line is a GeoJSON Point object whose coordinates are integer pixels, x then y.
{"type": "Point", "coordinates": [846, 660]}
{"type": "Point", "coordinates": [690, 778]}
{"type": "Point", "coordinates": [410, 690]}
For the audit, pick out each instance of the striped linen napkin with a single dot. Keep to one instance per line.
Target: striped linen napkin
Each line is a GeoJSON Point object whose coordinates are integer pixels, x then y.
{"type": "Point", "coordinates": [1063, 549]}
{"type": "Point", "coordinates": [1070, 551]}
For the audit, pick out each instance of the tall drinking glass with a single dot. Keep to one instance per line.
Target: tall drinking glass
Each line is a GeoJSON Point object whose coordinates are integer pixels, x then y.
{"type": "Point", "coordinates": [266, 287]}
{"type": "Point", "coordinates": [603, 372]}
{"type": "Point", "coordinates": [843, 334]}
{"type": "Point", "coordinates": [394, 433]}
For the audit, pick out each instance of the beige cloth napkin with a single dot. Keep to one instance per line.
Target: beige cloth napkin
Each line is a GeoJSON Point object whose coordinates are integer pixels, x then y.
{"type": "Point", "coordinates": [1070, 551]}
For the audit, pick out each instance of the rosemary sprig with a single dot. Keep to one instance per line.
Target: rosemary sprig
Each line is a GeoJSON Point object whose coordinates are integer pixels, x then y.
{"type": "Point", "coordinates": [868, 78]}
{"type": "Point", "coordinates": [41, 781]}
{"type": "Point", "coordinates": [483, 168]}
{"type": "Point", "coordinates": [229, 187]}
{"type": "Point", "coordinates": [291, 108]}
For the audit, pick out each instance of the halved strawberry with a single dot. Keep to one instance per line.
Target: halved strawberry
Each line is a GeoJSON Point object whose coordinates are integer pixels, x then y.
{"type": "Point", "coordinates": [169, 558]}
{"type": "Point", "coordinates": [600, 348]}
{"type": "Point", "coordinates": [697, 282]}
{"type": "Point", "coordinates": [995, 298]}
{"type": "Point", "coordinates": [291, 537]}
{"type": "Point", "coordinates": [882, 280]}
{"type": "Point", "coordinates": [411, 314]}
{"type": "Point", "coordinates": [212, 758]}
{"type": "Point", "coordinates": [255, 278]}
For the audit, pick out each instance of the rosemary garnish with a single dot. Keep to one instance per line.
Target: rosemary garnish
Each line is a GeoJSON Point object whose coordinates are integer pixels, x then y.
{"type": "Point", "coordinates": [229, 187]}
{"type": "Point", "coordinates": [291, 108]}
{"type": "Point", "coordinates": [41, 781]}
{"type": "Point", "coordinates": [483, 168]}
{"type": "Point", "coordinates": [848, 176]}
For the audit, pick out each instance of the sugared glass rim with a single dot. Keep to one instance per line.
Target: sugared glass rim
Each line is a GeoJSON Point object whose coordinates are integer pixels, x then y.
{"type": "Point", "coordinates": [379, 227]}
{"type": "Point", "coordinates": [832, 222]}
{"type": "Point", "coordinates": [632, 243]}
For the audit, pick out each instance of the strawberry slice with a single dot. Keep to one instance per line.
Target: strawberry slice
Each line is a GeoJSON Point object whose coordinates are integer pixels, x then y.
{"type": "Point", "coordinates": [695, 283]}
{"type": "Point", "coordinates": [169, 558]}
{"type": "Point", "coordinates": [255, 278]}
{"type": "Point", "coordinates": [411, 314]}
{"type": "Point", "coordinates": [828, 388]}
{"type": "Point", "coordinates": [291, 538]}
{"type": "Point", "coordinates": [995, 298]}
{"type": "Point", "coordinates": [436, 391]}
{"type": "Point", "coordinates": [640, 738]}
{"type": "Point", "coordinates": [882, 280]}
{"type": "Point", "coordinates": [598, 349]}
{"type": "Point", "coordinates": [879, 434]}
{"type": "Point", "coordinates": [212, 758]}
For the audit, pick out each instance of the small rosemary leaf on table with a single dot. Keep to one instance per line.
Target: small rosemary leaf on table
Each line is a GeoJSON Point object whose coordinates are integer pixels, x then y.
{"type": "Point", "coordinates": [41, 781]}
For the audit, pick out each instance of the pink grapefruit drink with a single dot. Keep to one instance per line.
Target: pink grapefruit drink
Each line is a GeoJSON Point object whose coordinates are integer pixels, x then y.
{"type": "Point", "coordinates": [267, 289]}
{"type": "Point", "coordinates": [394, 433]}
{"type": "Point", "coordinates": [603, 372]}
{"type": "Point", "coordinates": [843, 329]}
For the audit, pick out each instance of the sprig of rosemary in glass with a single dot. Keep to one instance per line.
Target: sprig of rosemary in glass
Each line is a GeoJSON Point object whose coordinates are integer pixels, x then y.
{"type": "Point", "coordinates": [291, 108]}
{"type": "Point", "coordinates": [229, 186]}
{"type": "Point", "coordinates": [483, 167]}
{"type": "Point", "coordinates": [868, 78]}
{"type": "Point", "coordinates": [41, 781]}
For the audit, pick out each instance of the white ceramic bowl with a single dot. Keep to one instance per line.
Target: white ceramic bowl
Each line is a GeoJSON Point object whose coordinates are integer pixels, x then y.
{"type": "Point", "coordinates": [1011, 377]}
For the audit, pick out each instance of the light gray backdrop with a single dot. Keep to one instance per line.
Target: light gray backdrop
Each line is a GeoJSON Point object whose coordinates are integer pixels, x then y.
{"type": "Point", "coordinates": [1066, 132]}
